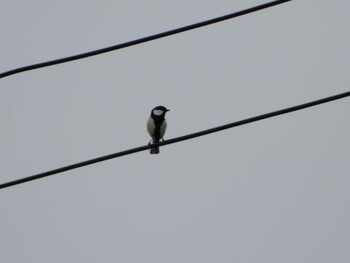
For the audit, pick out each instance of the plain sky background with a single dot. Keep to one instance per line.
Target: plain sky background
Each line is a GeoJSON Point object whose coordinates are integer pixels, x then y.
{"type": "Point", "coordinates": [272, 191]}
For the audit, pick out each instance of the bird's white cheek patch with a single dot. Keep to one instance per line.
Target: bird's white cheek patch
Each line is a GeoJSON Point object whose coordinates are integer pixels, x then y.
{"type": "Point", "coordinates": [158, 112]}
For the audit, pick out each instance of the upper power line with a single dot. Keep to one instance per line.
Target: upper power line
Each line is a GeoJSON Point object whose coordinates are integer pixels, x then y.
{"type": "Point", "coordinates": [141, 40]}
{"type": "Point", "coordinates": [177, 139]}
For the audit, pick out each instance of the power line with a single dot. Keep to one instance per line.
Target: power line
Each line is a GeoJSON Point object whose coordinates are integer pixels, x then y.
{"type": "Point", "coordinates": [178, 139]}
{"type": "Point", "coordinates": [141, 40]}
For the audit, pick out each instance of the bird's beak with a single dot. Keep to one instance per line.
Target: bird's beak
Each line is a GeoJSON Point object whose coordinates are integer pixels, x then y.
{"type": "Point", "coordinates": [167, 110]}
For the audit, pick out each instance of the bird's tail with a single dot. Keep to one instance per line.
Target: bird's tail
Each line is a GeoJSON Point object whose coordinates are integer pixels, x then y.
{"type": "Point", "coordinates": [154, 150]}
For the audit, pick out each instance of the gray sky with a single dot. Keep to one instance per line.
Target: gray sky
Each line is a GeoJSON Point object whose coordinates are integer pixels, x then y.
{"type": "Point", "coordinates": [271, 191]}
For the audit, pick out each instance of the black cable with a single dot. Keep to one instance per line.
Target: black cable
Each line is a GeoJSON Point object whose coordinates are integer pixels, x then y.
{"type": "Point", "coordinates": [177, 139]}
{"type": "Point", "coordinates": [141, 40]}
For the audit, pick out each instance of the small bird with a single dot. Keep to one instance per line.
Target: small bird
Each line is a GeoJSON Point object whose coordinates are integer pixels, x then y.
{"type": "Point", "coordinates": [156, 126]}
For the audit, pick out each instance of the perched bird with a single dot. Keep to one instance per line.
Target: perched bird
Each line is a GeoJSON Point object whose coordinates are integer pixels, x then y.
{"type": "Point", "coordinates": [156, 126]}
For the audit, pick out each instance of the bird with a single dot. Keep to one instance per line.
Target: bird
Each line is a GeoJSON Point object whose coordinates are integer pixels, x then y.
{"type": "Point", "coordinates": [156, 126]}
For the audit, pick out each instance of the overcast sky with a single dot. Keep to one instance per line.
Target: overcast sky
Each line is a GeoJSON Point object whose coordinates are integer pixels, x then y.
{"type": "Point", "coordinates": [272, 191]}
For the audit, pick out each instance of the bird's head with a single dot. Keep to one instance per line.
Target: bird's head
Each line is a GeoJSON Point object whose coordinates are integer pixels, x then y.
{"type": "Point", "coordinates": [159, 111]}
